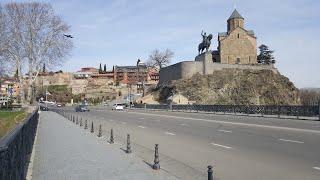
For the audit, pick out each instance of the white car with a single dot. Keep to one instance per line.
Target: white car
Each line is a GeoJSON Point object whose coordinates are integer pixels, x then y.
{"type": "Point", "coordinates": [117, 107]}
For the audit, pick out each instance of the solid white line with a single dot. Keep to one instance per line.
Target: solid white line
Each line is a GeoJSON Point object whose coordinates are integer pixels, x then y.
{"type": "Point", "coordinates": [141, 127]}
{"type": "Point", "coordinates": [317, 168]}
{"type": "Point", "coordinates": [234, 123]}
{"type": "Point", "coordinates": [169, 133]}
{"type": "Point", "coordinates": [227, 147]}
{"type": "Point", "coordinates": [288, 140]}
{"type": "Point", "coordinates": [226, 131]}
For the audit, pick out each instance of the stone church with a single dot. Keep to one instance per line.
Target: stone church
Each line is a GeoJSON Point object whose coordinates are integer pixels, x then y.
{"type": "Point", "coordinates": [237, 48]}
{"type": "Point", "coordinates": [237, 45]}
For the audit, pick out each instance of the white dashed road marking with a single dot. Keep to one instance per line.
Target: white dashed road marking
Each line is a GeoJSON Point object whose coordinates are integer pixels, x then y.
{"type": "Point", "coordinates": [219, 145]}
{"type": "Point", "coordinates": [233, 123]}
{"type": "Point", "coordinates": [169, 133]}
{"type": "Point", "coordinates": [141, 118]}
{"type": "Point", "coordinates": [123, 123]}
{"type": "Point", "coordinates": [294, 141]}
{"type": "Point", "coordinates": [226, 131]}
{"type": "Point", "coordinates": [141, 127]}
{"type": "Point", "coordinates": [184, 125]}
{"type": "Point", "coordinates": [317, 168]}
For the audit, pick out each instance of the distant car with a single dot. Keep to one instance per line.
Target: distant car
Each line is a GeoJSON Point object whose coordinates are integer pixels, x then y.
{"type": "Point", "coordinates": [82, 108]}
{"type": "Point", "coordinates": [59, 105]}
{"type": "Point", "coordinates": [118, 107]}
{"type": "Point", "coordinates": [44, 108]}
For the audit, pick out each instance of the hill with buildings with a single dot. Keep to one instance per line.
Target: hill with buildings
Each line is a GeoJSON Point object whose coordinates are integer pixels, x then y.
{"type": "Point", "coordinates": [233, 87]}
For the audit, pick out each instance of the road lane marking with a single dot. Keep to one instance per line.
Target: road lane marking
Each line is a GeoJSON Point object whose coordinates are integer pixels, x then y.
{"type": "Point", "coordinates": [219, 145]}
{"type": "Point", "coordinates": [169, 133]}
{"type": "Point", "coordinates": [317, 168]}
{"type": "Point", "coordinates": [111, 120]}
{"type": "Point", "coordinates": [123, 123]}
{"type": "Point", "coordinates": [141, 127]}
{"type": "Point", "coordinates": [233, 123]}
{"type": "Point", "coordinates": [185, 125]}
{"type": "Point", "coordinates": [226, 131]}
{"type": "Point", "coordinates": [294, 141]}
{"type": "Point", "coordinates": [141, 118]}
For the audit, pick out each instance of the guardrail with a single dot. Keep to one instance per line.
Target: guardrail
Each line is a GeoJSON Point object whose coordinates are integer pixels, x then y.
{"type": "Point", "coordinates": [297, 111]}
{"type": "Point", "coordinates": [16, 147]}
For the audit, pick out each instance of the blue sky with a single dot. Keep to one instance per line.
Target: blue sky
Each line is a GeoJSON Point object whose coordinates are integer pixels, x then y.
{"type": "Point", "coordinates": [118, 32]}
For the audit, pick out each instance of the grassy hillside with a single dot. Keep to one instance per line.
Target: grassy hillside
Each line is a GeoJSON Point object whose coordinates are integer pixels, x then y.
{"type": "Point", "coordinates": [8, 120]}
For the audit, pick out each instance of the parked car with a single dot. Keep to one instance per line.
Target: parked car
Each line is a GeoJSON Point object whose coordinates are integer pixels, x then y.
{"type": "Point", "coordinates": [82, 108]}
{"type": "Point", "coordinates": [118, 107]}
{"type": "Point", "coordinates": [44, 108]}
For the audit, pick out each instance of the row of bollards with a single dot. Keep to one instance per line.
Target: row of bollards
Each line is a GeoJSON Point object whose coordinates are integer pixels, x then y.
{"type": "Point", "coordinates": [155, 166]}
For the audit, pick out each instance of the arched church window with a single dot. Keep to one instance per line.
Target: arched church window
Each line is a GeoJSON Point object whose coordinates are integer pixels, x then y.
{"type": "Point", "coordinates": [238, 36]}
{"type": "Point", "coordinates": [238, 61]}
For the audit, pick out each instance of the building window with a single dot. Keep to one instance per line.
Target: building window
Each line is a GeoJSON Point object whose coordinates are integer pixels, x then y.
{"type": "Point", "coordinates": [238, 61]}
{"type": "Point", "coordinates": [238, 36]}
{"type": "Point", "coordinates": [249, 59]}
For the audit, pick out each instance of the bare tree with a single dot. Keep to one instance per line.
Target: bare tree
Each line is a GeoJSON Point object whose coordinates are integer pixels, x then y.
{"type": "Point", "coordinates": [158, 59]}
{"type": "Point", "coordinates": [36, 37]}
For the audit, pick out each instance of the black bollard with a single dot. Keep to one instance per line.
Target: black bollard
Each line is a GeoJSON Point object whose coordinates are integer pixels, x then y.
{"type": "Point", "coordinates": [156, 165]}
{"type": "Point", "coordinates": [128, 144]}
{"type": "Point", "coordinates": [210, 173]}
{"type": "Point", "coordinates": [86, 125]}
{"type": "Point", "coordinates": [77, 122]}
{"type": "Point", "coordinates": [80, 122]}
{"type": "Point", "coordinates": [73, 119]}
{"type": "Point", "coordinates": [100, 131]}
{"type": "Point", "coordinates": [111, 137]}
{"type": "Point", "coordinates": [92, 129]}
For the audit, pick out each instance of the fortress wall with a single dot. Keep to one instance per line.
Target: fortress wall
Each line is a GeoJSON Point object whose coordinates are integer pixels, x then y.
{"type": "Point", "coordinates": [180, 70]}
{"type": "Point", "coordinates": [187, 69]}
{"type": "Point", "coordinates": [219, 66]}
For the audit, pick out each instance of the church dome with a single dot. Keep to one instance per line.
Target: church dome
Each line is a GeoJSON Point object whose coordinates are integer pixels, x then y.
{"type": "Point", "coordinates": [235, 15]}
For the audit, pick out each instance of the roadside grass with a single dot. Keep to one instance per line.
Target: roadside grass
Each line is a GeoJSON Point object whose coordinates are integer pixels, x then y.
{"type": "Point", "coordinates": [8, 120]}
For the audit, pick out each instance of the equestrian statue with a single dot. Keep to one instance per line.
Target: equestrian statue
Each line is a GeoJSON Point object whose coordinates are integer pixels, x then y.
{"type": "Point", "coordinates": [206, 42]}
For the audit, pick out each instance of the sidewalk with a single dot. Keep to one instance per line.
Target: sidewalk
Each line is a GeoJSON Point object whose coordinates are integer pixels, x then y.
{"type": "Point", "coordinates": [63, 150]}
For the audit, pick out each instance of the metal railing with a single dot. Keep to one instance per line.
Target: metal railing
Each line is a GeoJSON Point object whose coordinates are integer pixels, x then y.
{"type": "Point", "coordinates": [16, 147]}
{"type": "Point", "coordinates": [297, 111]}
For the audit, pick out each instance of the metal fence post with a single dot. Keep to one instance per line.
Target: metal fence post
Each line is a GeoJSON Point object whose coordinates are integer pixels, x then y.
{"type": "Point", "coordinates": [128, 144]}
{"type": "Point", "coordinates": [156, 165]}
{"type": "Point", "coordinates": [92, 129]}
{"type": "Point", "coordinates": [111, 137]}
{"type": "Point", "coordinates": [210, 173]}
{"type": "Point", "coordinates": [279, 111]}
{"type": "Point", "coordinates": [100, 131]}
{"type": "Point", "coordinates": [319, 110]}
{"type": "Point", "coordinates": [86, 125]}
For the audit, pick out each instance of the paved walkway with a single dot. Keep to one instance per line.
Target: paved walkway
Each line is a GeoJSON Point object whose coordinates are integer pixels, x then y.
{"type": "Point", "coordinates": [63, 150]}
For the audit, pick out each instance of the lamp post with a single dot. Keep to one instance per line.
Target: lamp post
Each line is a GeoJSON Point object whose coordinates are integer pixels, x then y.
{"type": "Point", "coordinates": [139, 63]}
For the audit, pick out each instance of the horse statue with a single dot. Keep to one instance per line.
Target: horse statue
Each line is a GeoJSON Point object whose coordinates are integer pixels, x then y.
{"type": "Point", "coordinates": [205, 44]}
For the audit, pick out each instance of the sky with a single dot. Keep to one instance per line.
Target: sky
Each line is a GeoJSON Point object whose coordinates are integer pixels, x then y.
{"type": "Point", "coordinates": [118, 32]}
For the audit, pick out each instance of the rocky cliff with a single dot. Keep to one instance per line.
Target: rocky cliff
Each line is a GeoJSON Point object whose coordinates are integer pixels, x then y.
{"type": "Point", "coordinates": [233, 87]}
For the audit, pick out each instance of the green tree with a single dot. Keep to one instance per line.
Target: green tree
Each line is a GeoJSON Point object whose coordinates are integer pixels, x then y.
{"type": "Point", "coordinates": [100, 69]}
{"type": "Point", "coordinates": [44, 68]}
{"type": "Point", "coordinates": [266, 55]}
{"type": "Point", "coordinates": [16, 75]}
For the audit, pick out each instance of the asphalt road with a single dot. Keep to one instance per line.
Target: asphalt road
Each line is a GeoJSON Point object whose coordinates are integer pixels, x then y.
{"type": "Point", "coordinates": [239, 147]}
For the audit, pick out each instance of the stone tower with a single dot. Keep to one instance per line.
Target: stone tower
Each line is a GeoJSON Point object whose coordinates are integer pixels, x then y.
{"type": "Point", "coordinates": [237, 45]}
{"type": "Point", "coordinates": [235, 20]}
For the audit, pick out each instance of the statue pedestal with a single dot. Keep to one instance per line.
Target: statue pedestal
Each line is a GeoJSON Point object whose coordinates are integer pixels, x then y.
{"type": "Point", "coordinates": [206, 59]}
